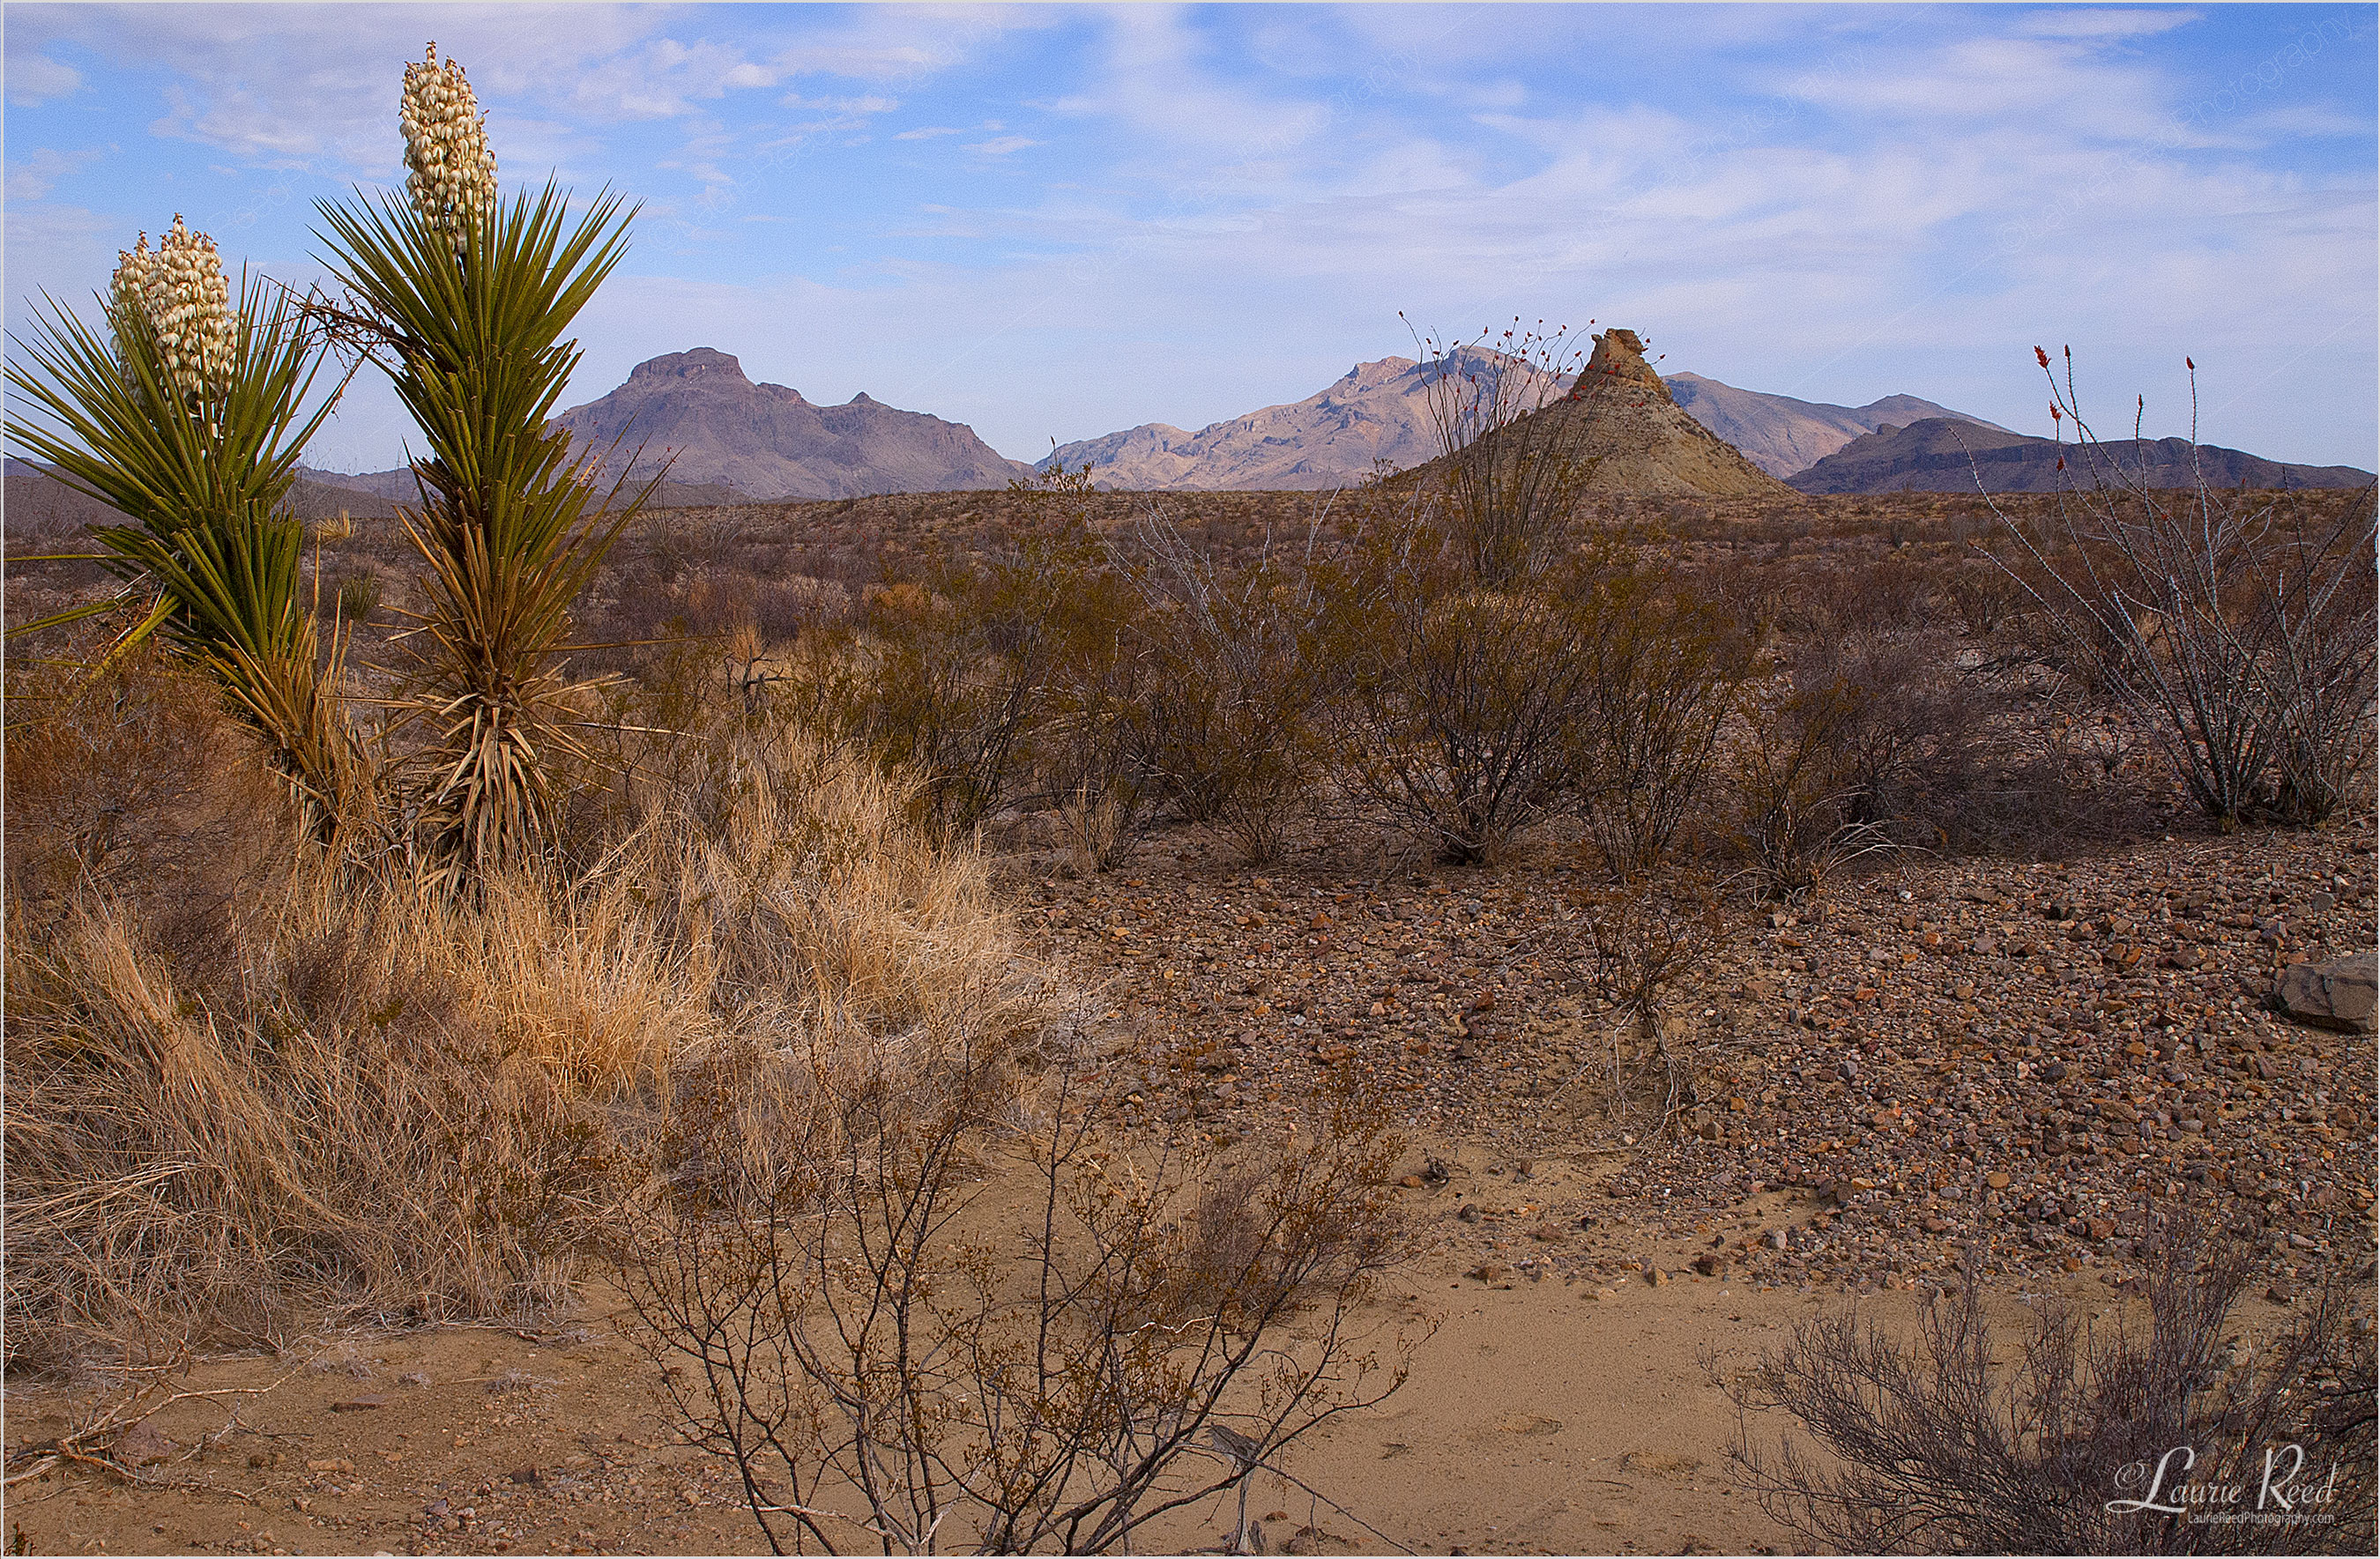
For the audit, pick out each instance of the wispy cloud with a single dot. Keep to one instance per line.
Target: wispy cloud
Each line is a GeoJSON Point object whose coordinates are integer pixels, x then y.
{"type": "Point", "coordinates": [2103, 22]}
{"type": "Point", "coordinates": [1000, 146]}
{"type": "Point", "coordinates": [35, 78]}
{"type": "Point", "coordinates": [38, 174]}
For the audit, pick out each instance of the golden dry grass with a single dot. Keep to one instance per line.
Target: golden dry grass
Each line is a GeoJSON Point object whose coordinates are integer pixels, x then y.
{"type": "Point", "coordinates": [373, 1102]}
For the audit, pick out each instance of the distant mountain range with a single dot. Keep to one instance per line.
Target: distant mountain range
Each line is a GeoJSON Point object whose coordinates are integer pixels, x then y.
{"type": "Point", "coordinates": [726, 439]}
{"type": "Point", "coordinates": [1379, 412]}
{"type": "Point", "coordinates": [1941, 455]}
{"type": "Point", "coordinates": [1782, 435]}
{"type": "Point", "coordinates": [38, 501]}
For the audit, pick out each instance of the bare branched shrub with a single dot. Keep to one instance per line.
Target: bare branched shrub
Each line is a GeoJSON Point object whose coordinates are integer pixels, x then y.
{"type": "Point", "coordinates": [1512, 442]}
{"type": "Point", "coordinates": [952, 675]}
{"type": "Point", "coordinates": [890, 1365]}
{"type": "Point", "coordinates": [2238, 629]}
{"type": "Point", "coordinates": [1663, 682]}
{"type": "Point", "coordinates": [1873, 741]}
{"type": "Point", "coordinates": [2086, 1441]}
{"type": "Point", "coordinates": [1459, 709]}
{"type": "Point", "coordinates": [1637, 948]}
{"type": "Point", "coordinates": [1093, 729]}
{"type": "Point", "coordinates": [1240, 670]}
{"type": "Point", "coordinates": [1793, 792]}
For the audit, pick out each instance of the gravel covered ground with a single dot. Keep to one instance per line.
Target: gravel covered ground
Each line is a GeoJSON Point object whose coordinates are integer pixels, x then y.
{"type": "Point", "coordinates": [1947, 1055]}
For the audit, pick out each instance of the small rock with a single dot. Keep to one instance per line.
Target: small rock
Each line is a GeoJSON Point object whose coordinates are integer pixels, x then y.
{"type": "Point", "coordinates": [1655, 1275]}
{"type": "Point", "coordinates": [1487, 1272]}
{"type": "Point", "coordinates": [1997, 1180]}
{"type": "Point", "coordinates": [140, 1445]}
{"type": "Point", "coordinates": [360, 1404]}
{"type": "Point", "coordinates": [1469, 1213]}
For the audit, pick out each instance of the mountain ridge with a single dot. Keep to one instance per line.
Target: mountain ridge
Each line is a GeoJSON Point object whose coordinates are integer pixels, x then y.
{"type": "Point", "coordinates": [1941, 455]}
{"type": "Point", "coordinates": [1378, 412]}
{"type": "Point", "coordinates": [698, 409]}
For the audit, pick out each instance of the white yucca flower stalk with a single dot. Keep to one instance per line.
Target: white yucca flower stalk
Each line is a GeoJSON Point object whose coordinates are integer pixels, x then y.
{"type": "Point", "coordinates": [182, 290]}
{"type": "Point", "coordinates": [450, 171]}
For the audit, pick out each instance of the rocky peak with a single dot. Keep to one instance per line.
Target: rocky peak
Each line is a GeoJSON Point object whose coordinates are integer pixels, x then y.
{"type": "Point", "coordinates": [1620, 356]}
{"type": "Point", "coordinates": [701, 364]}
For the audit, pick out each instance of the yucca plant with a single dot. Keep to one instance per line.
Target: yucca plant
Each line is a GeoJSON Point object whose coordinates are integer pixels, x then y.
{"type": "Point", "coordinates": [465, 297]}
{"type": "Point", "coordinates": [187, 416]}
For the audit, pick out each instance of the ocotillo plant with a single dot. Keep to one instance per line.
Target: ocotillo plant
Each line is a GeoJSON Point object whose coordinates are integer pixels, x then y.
{"type": "Point", "coordinates": [186, 417]}
{"type": "Point", "coordinates": [465, 296]}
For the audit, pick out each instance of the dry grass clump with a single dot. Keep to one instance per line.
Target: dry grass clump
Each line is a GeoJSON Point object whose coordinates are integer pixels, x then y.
{"type": "Point", "coordinates": [349, 1094]}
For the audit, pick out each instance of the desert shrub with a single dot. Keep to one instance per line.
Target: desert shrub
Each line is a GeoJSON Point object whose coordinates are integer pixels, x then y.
{"type": "Point", "coordinates": [1888, 596]}
{"type": "Point", "coordinates": [2238, 628]}
{"type": "Point", "coordinates": [134, 785]}
{"type": "Point", "coordinates": [1639, 948]}
{"type": "Point", "coordinates": [947, 676]}
{"type": "Point", "coordinates": [1092, 726]}
{"type": "Point", "coordinates": [1869, 741]}
{"type": "Point", "coordinates": [1512, 444]}
{"type": "Point", "coordinates": [887, 1361]}
{"type": "Point", "coordinates": [357, 596]}
{"type": "Point", "coordinates": [1662, 680]}
{"type": "Point", "coordinates": [1238, 671]}
{"type": "Point", "coordinates": [2082, 1444]}
{"type": "Point", "coordinates": [1457, 712]}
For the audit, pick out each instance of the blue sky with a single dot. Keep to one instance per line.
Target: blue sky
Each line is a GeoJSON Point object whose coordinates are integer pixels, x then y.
{"type": "Point", "coordinates": [1061, 221]}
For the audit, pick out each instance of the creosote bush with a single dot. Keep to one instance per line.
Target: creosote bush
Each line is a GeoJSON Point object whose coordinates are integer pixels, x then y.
{"type": "Point", "coordinates": [1944, 1445]}
{"type": "Point", "coordinates": [891, 1364]}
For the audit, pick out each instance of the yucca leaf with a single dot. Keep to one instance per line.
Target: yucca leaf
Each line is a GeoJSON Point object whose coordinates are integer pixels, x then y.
{"type": "Point", "coordinates": [473, 337]}
{"type": "Point", "coordinates": [201, 480]}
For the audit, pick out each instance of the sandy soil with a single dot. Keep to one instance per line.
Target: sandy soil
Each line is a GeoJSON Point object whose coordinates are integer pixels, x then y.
{"type": "Point", "coordinates": [1541, 1417]}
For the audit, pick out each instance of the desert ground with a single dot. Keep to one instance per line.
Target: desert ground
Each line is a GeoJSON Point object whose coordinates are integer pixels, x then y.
{"type": "Point", "coordinates": [2000, 1050]}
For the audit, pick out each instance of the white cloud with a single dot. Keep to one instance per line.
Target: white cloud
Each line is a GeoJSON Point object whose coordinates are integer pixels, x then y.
{"type": "Point", "coordinates": [2094, 22]}
{"type": "Point", "coordinates": [1000, 146]}
{"type": "Point", "coordinates": [842, 105]}
{"type": "Point", "coordinates": [34, 177]}
{"type": "Point", "coordinates": [35, 78]}
{"type": "Point", "coordinates": [927, 132]}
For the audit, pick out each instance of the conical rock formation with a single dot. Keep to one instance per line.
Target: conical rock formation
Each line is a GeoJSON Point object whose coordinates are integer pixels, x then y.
{"type": "Point", "coordinates": [1643, 441]}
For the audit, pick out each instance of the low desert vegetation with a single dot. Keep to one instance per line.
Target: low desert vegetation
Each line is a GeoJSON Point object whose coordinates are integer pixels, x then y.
{"type": "Point", "coordinates": [2172, 1438]}
{"type": "Point", "coordinates": [409, 920]}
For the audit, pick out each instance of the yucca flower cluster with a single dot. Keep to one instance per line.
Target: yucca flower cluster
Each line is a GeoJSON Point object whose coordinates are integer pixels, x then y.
{"type": "Point", "coordinates": [451, 171]}
{"type": "Point", "coordinates": [181, 289]}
